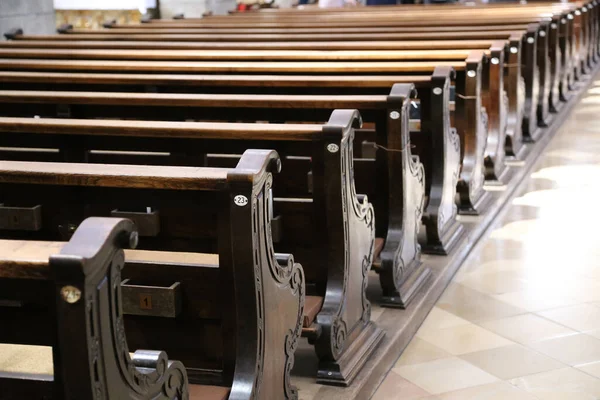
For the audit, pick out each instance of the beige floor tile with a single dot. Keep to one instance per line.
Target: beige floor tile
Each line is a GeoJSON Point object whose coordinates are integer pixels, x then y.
{"type": "Point", "coordinates": [495, 282]}
{"type": "Point", "coordinates": [561, 384]}
{"type": "Point", "coordinates": [581, 317]}
{"type": "Point", "coordinates": [307, 391]}
{"type": "Point", "coordinates": [573, 349]}
{"type": "Point", "coordinates": [441, 319]}
{"type": "Point", "coordinates": [595, 333]}
{"type": "Point", "coordinates": [497, 249]}
{"type": "Point", "coordinates": [419, 351]}
{"type": "Point", "coordinates": [526, 328]}
{"type": "Point", "coordinates": [571, 175]}
{"type": "Point", "coordinates": [472, 305]}
{"type": "Point", "coordinates": [492, 391]}
{"type": "Point", "coordinates": [511, 361]}
{"type": "Point", "coordinates": [463, 339]}
{"type": "Point", "coordinates": [591, 369]}
{"type": "Point", "coordinates": [536, 300]}
{"type": "Point", "coordinates": [498, 265]}
{"type": "Point", "coordinates": [444, 375]}
{"type": "Point", "coordinates": [395, 387]}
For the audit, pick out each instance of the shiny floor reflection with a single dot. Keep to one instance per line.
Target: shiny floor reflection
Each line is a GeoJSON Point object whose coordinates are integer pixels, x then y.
{"type": "Point", "coordinates": [521, 319]}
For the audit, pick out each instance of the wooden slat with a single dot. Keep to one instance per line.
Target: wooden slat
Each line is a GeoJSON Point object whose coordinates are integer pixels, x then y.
{"type": "Point", "coordinates": [228, 67]}
{"type": "Point", "coordinates": [169, 129]}
{"type": "Point", "coordinates": [29, 259]}
{"type": "Point", "coordinates": [210, 80]}
{"type": "Point", "coordinates": [197, 100]}
{"type": "Point", "coordinates": [245, 55]}
{"type": "Point", "coordinates": [325, 45]}
{"type": "Point", "coordinates": [275, 37]}
{"type": "Point", "coordinates": [110, 175]}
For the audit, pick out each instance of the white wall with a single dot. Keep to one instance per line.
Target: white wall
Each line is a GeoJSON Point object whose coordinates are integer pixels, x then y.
{"type": "Point", "coordinates": [141, 5]}
{"type": "Point", "coordinates": [194, 8]}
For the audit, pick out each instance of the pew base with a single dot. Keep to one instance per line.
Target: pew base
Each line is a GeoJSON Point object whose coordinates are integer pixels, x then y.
{"type": "Point", "coordinates": [343, 371]}
{"type": "Point", "coordinates": [517, 158]}
{"type": "Point", "coordinates": [401, 298]}
{"type": "Point", "coordinates": [513, 151]}
{"type": "Point", "coordinates": [499, 179]}
{"type": "Point", "coordinates": [534, 135]}
{"type": "Point", "coordinates": [559, 105]}
{"type": "Point", "coordinates": [453, 234]}
{"type": "Point", "coordinates": [544, 121]}
{"type": "Point", "coordinates": [496, 178]}
{"type": "Point", "coordinates": [478, 207]}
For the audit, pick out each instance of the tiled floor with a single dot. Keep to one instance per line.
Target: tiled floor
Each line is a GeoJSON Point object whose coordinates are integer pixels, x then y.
{"type": "Point", "coordinates": [521, 318]}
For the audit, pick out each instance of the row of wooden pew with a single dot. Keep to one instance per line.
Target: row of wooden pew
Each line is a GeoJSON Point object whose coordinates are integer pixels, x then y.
{"type": "Point", "coordinates": [382, 125]}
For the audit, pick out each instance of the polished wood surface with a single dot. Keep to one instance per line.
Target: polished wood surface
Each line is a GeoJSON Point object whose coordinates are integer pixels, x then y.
{"type": "Point", "coordinates": [143, 177]}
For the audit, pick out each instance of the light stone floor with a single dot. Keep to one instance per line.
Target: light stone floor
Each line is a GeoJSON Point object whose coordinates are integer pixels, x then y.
{"type": "Point", "coordinates": [521, 318]}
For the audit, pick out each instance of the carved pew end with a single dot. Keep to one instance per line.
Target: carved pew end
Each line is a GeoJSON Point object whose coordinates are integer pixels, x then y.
{"type": "Point", "coordinates": [344, 370]}
{"type": "Point", "coordinates": [13, 33]}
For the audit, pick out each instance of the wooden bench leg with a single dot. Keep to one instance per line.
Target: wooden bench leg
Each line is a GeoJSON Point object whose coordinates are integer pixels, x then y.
{"type": "Point", "coordinates": [442, 229]}
{"type": "Point", "coordinates": [402, 272]}
{"type": "Point", "coordinates": [347, 336]}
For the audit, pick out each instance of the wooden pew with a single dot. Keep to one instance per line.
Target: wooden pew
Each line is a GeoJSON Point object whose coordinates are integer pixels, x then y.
{"type": "Point", "coordinates": [431, 134]}
{"type": "Point", "coordinates": [492, 75]}
{"type": "Point", "coordinates": [233, 318]}
{"type": "Point", "coordinates": [330, 230]}
{"type": "Point", "coordinates": [544, 86]}
{"type": "Point", "coordinates": [469, 25]}
{"type": "Point", "coordinates": [468, 107]}
{"type": "Point", "coordinates": [62, 295]}
{"type": "Point", "coordinates": [510, 56]}
{"type": "Point", "coordinates": [559, 13]}
{"type": "Point", "coordinates": [398, 206]}
{"type": "Point", "coordinates": [584, 15]}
